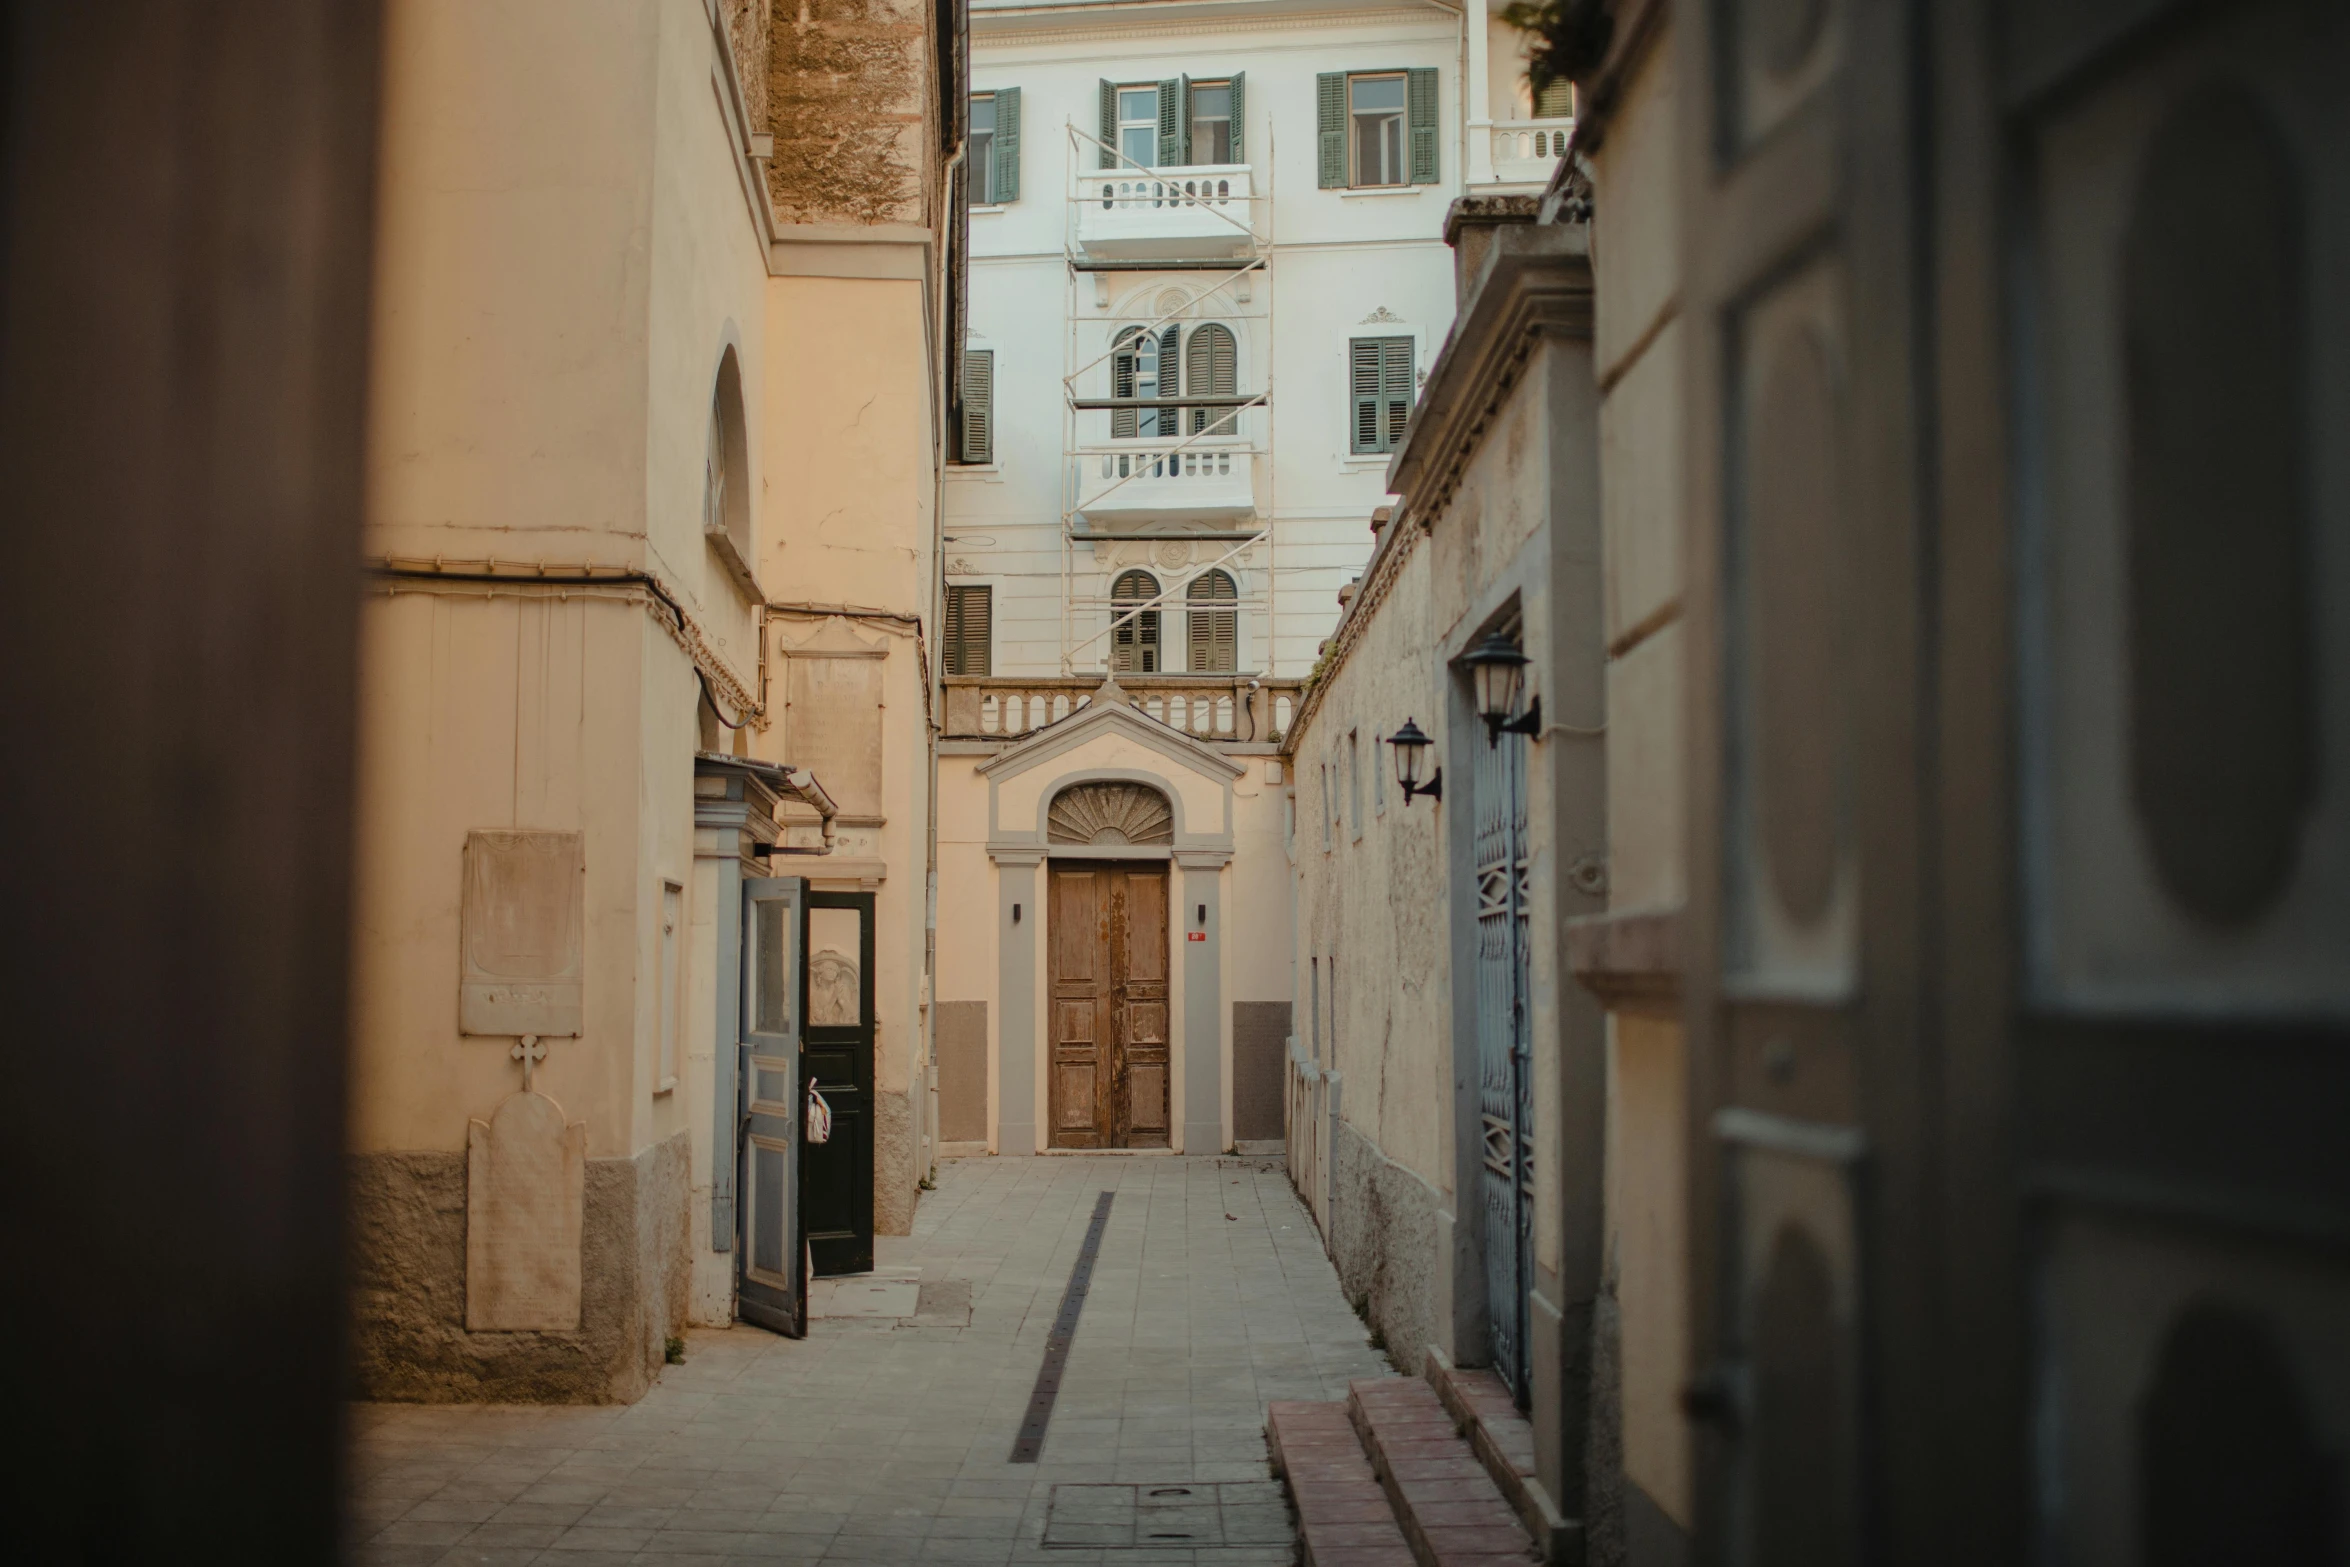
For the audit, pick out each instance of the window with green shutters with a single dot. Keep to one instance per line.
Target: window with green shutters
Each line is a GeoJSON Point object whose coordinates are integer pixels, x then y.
{"type": "Point", "coordinates": [1211, 368]}
{"type": "Point", "coordinates": [1212, 624]}
{"type": "Point", "coordinates": [1173, 123]}
{"type": "Point", "coordinates": [970, 630]}
{"type": "Point", "coordinates": [994, 157]}
{"type": "Point", "coordinates": [1377, 128]}
{"type": "Point", "coordinates": [976, 404]}
{"type": "Point", "coordinates": [1379, 376]}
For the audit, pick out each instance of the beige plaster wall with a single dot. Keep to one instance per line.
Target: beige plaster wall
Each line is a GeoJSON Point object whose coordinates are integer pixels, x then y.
{"type": "Point", "coordinates": [1254, 950]}
{"type": "Point", "coordinates": [1375, 899]}
{"type": "Point", "coordinates": [1644, 512]}
{"type": "Point", "coordinates": [846, 482]}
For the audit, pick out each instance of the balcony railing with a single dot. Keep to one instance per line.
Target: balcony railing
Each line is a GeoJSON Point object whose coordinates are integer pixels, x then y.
{"type": "Point", "coordinates": [1205, 479]}
{"type": "Point", "coordinates": [1206, 707]}
{"type": "Point", "coordinates": [1525, 151]}
{"type": "Point", "coordinates": [1165, 214]}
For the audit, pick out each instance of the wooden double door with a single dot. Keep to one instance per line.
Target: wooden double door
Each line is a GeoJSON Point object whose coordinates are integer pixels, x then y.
{"type": "Point", "coordinates": [1108, 943]}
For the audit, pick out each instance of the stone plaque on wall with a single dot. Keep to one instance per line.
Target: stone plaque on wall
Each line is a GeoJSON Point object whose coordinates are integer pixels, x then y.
{"type": "Point", "coordinates": [519, 950]}
{"type": "Point", "coordinates": [832, 716]}
{"type": "Point", "coordinates": [525, 1183]}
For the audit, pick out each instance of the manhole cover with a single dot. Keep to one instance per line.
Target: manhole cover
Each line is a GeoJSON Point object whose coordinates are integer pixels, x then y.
{"type": "Point", "coordinates": [1177, 1516]}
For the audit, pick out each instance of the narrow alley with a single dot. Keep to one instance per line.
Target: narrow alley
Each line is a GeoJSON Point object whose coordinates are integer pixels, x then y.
{"type": "Point", "coordinates": [888, 1439]}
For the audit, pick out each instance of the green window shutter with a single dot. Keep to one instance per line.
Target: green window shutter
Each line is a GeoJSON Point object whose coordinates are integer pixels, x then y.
{"type": "Point", "coordinates": [1380, 388]}
{"type": "Point", "coordinates": [1330, 117]}
{"type": "Point", "coordinates": [1210, 368]}
{"type": "Point", "coordinates": [1396, 389]}
{"type": "Point", "coordinates": [1362, 375]}
{"type": "Point", "coordinates": [1239, 118]}
{"type": "Point", "coordinates": [1109, 125]}
{"type": "Point", "coordinates": [1171, 117]}
{"type": "Point", "coordinates": [1004, 178]}
{"type": "Point", "coordinates": [1420, 121]}
{"type": "Point", "coordinates": [978, 405]}
{"type": "Point", "coordinates": [1124, 422]}
{"type": "Point", "coordinates": [1213, 632]}
{"type": "Point", "coordinates": [970, 630]}
{"type": "Point", "coordinates": [1555, 102]}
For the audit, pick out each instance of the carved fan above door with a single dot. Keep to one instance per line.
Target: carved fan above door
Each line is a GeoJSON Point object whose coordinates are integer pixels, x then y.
{"type": "Point", "coordinates": [1110, 813]}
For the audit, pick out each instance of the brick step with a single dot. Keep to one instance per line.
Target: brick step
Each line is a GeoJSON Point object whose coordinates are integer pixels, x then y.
{"type": "Point", "coordinates": [1343, 1516]}
{"type": "Point", "coordinates": [1503, 1439]}
{"type": "Point", "coordinates": [1451, 1512]}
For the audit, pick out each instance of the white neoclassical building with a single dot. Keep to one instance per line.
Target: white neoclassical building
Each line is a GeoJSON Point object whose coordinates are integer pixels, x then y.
{"type": "Point", "coordinates": [1208, 274]}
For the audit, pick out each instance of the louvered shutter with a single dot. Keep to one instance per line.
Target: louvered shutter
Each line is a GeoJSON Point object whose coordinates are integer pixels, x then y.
{"type": "Point", "coordinates": [1210, 367]}
{"type": "Point", "coordinates": [1172, 114]}
{"type": "Point", "coordinates": [1239, 118]}
{"type": "Point", "coordinates": [1134, 645]}
{"type": "Point", "coordinates": [1004, 177]}
{"type": "Point", "coordinates": [1420, 121]}
{"type": "Point", "coordinates": [1213, 634]}
{"type": "Point", "coordinates": [1363, 385]}
{"type": "Point", "coordinates": [1330, 119]}
{"type": "Point", "coordinates": [1556, 101]}
{"type": "Point", "coordinates": [1395, 389]}
{"type": "Point", "coordinates": [1109, 125]}
{"type": "Point", "coordinates": [970, 630]}
{"type": "Point", "coordinates": [978, 394]}
{"type": "Point", "coordinates": [1125, 424]}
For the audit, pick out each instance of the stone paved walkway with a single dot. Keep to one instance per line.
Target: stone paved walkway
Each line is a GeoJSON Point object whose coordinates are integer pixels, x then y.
{"type": "Point", "coordinates": [879, 1442]}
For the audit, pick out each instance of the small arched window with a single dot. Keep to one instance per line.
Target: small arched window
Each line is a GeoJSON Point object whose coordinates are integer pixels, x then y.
{"type": "Point", "coordinates": [1211, 368]}
{"type": "Point", "coordinates": [1212, 620]}
{"type": "Point", "coordinates": [1134, 641]}
{"type": "Point", "coordinates": [1143, 365]}
{"type": "Point", "coordinates": [726, 490]}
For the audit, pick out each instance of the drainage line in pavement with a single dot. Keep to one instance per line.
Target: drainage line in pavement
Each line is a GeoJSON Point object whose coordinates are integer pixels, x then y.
{"type": "Point", "coordinates": [1056, 1344]}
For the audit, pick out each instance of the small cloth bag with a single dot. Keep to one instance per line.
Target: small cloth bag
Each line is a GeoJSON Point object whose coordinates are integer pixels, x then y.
{"type": "Point", "coordinates": [819, 1116]}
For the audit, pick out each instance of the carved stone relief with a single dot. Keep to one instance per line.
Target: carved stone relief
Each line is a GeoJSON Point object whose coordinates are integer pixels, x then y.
{"type": "Point", "coordinates": [1112, 814]}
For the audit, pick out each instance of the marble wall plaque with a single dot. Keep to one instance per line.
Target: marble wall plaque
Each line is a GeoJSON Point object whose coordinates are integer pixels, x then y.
{"type": "Point", "coordinates": [526, 1175]}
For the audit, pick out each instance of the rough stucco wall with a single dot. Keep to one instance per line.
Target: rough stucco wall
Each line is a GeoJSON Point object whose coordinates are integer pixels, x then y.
{"type": "Point", "coordinates": [845, 104]}
{"type": "Point", "coordinates": [1382, 1240]}
{"type": "Point", "coordinates": [409, 1341]}
{"type": "Point", "coordinates": [748, 32]}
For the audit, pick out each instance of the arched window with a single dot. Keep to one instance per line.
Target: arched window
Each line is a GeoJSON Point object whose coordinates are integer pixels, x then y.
{"type": "Point", "coordinates": [1134, 644]}
{"type": "Point", "coordinates": [726, 490]}
{"type": "Point", "coordinates": [1143, 366]}
{"type": "Point", "coordinates": [1211, 367]}
{"type": "Point", "coordinates": [1213, 624]}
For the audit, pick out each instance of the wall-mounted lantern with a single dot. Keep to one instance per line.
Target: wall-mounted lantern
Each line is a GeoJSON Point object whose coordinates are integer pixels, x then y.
{"type": "Point", "coordinates": [1499, 669]}
{"type": "Point", "coordinates": [1411, 755]}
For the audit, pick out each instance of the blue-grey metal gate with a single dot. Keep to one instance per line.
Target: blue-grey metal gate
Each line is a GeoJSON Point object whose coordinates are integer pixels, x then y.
{"type": "Point", "coordinates": [1505, 1066]}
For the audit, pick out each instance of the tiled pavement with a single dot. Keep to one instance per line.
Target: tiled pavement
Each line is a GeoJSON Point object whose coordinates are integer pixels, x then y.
{"type": "Point", "coordinates": [882, 1442]}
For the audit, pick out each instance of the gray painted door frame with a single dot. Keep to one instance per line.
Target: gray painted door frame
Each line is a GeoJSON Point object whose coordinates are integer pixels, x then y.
{"type": "Point", "coordinates": [771, 1261]}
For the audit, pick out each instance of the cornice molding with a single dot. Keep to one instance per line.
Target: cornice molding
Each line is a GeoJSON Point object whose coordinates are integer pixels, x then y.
{"type": "Point", "coordinates": [1034, 26]}
{"type": "Point", "coordinates": [1537, 283]}
{"type": "Point", "coordinates": [1396, 544]}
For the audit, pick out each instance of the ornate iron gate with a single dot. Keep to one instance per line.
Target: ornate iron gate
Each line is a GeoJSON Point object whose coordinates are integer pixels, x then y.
{"type": "Point", "coordinates": [1505, 1067]}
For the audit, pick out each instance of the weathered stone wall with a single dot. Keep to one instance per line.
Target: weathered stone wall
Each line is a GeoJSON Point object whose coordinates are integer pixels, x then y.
{"type": "Point", "coordinates": [748, 25]}
{"type": "Point", "coordinates": [1382, 1239]}
{"type": "Point", "coordinates": [409, 1340]}
{"type": "Point", "coordinates": [896, 1149]}
{"type": "Point", "coordinates": [846, 103]}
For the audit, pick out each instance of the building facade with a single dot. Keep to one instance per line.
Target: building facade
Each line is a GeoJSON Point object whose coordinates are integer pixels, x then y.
{"type": "Point", "coordinates": [1207, 283]}
{"type": "Point", "coordinates": [661, 296]}
{"type": "Point", "coordinates": [1880, 1036]}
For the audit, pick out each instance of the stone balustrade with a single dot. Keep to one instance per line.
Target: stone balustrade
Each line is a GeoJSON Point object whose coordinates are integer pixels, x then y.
{"type": "Point", "coordinates": [1229, 708]}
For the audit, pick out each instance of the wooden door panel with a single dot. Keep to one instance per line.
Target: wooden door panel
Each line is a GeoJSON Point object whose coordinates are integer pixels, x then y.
{"type": "Point", "coordinates": [1079, 1077]}
{"type": "Point", "coordinates": [1141, 960]}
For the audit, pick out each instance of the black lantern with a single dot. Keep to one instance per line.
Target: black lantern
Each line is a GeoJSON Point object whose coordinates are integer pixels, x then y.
{"type": "Point", "coordinates": [1411, 754]}
{"type": "Point", "coordinates": [1499, 669]}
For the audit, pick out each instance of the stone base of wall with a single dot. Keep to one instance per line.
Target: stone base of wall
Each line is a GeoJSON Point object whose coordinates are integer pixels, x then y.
{"type": "Point", "coordinates": [1381, 1231]}
{"type": "Point", "coordinates": [409, 1341]}
{"type": "Point", "coordinates": [897, 1144]}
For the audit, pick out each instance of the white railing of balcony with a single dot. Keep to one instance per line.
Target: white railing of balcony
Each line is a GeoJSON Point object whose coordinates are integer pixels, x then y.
{"type": "Point", "coordinates": [1527, 149]}
{"type": "Point", "coordinates": [1195, 463]}
{"type": "Point", "coordinates": [1204, 185]}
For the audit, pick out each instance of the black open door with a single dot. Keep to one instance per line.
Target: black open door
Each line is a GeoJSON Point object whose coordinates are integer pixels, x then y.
{"type": "Point", "coordinates": [836, 1177]}
{"type": "Point", "coordinates": [771, 1269]}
